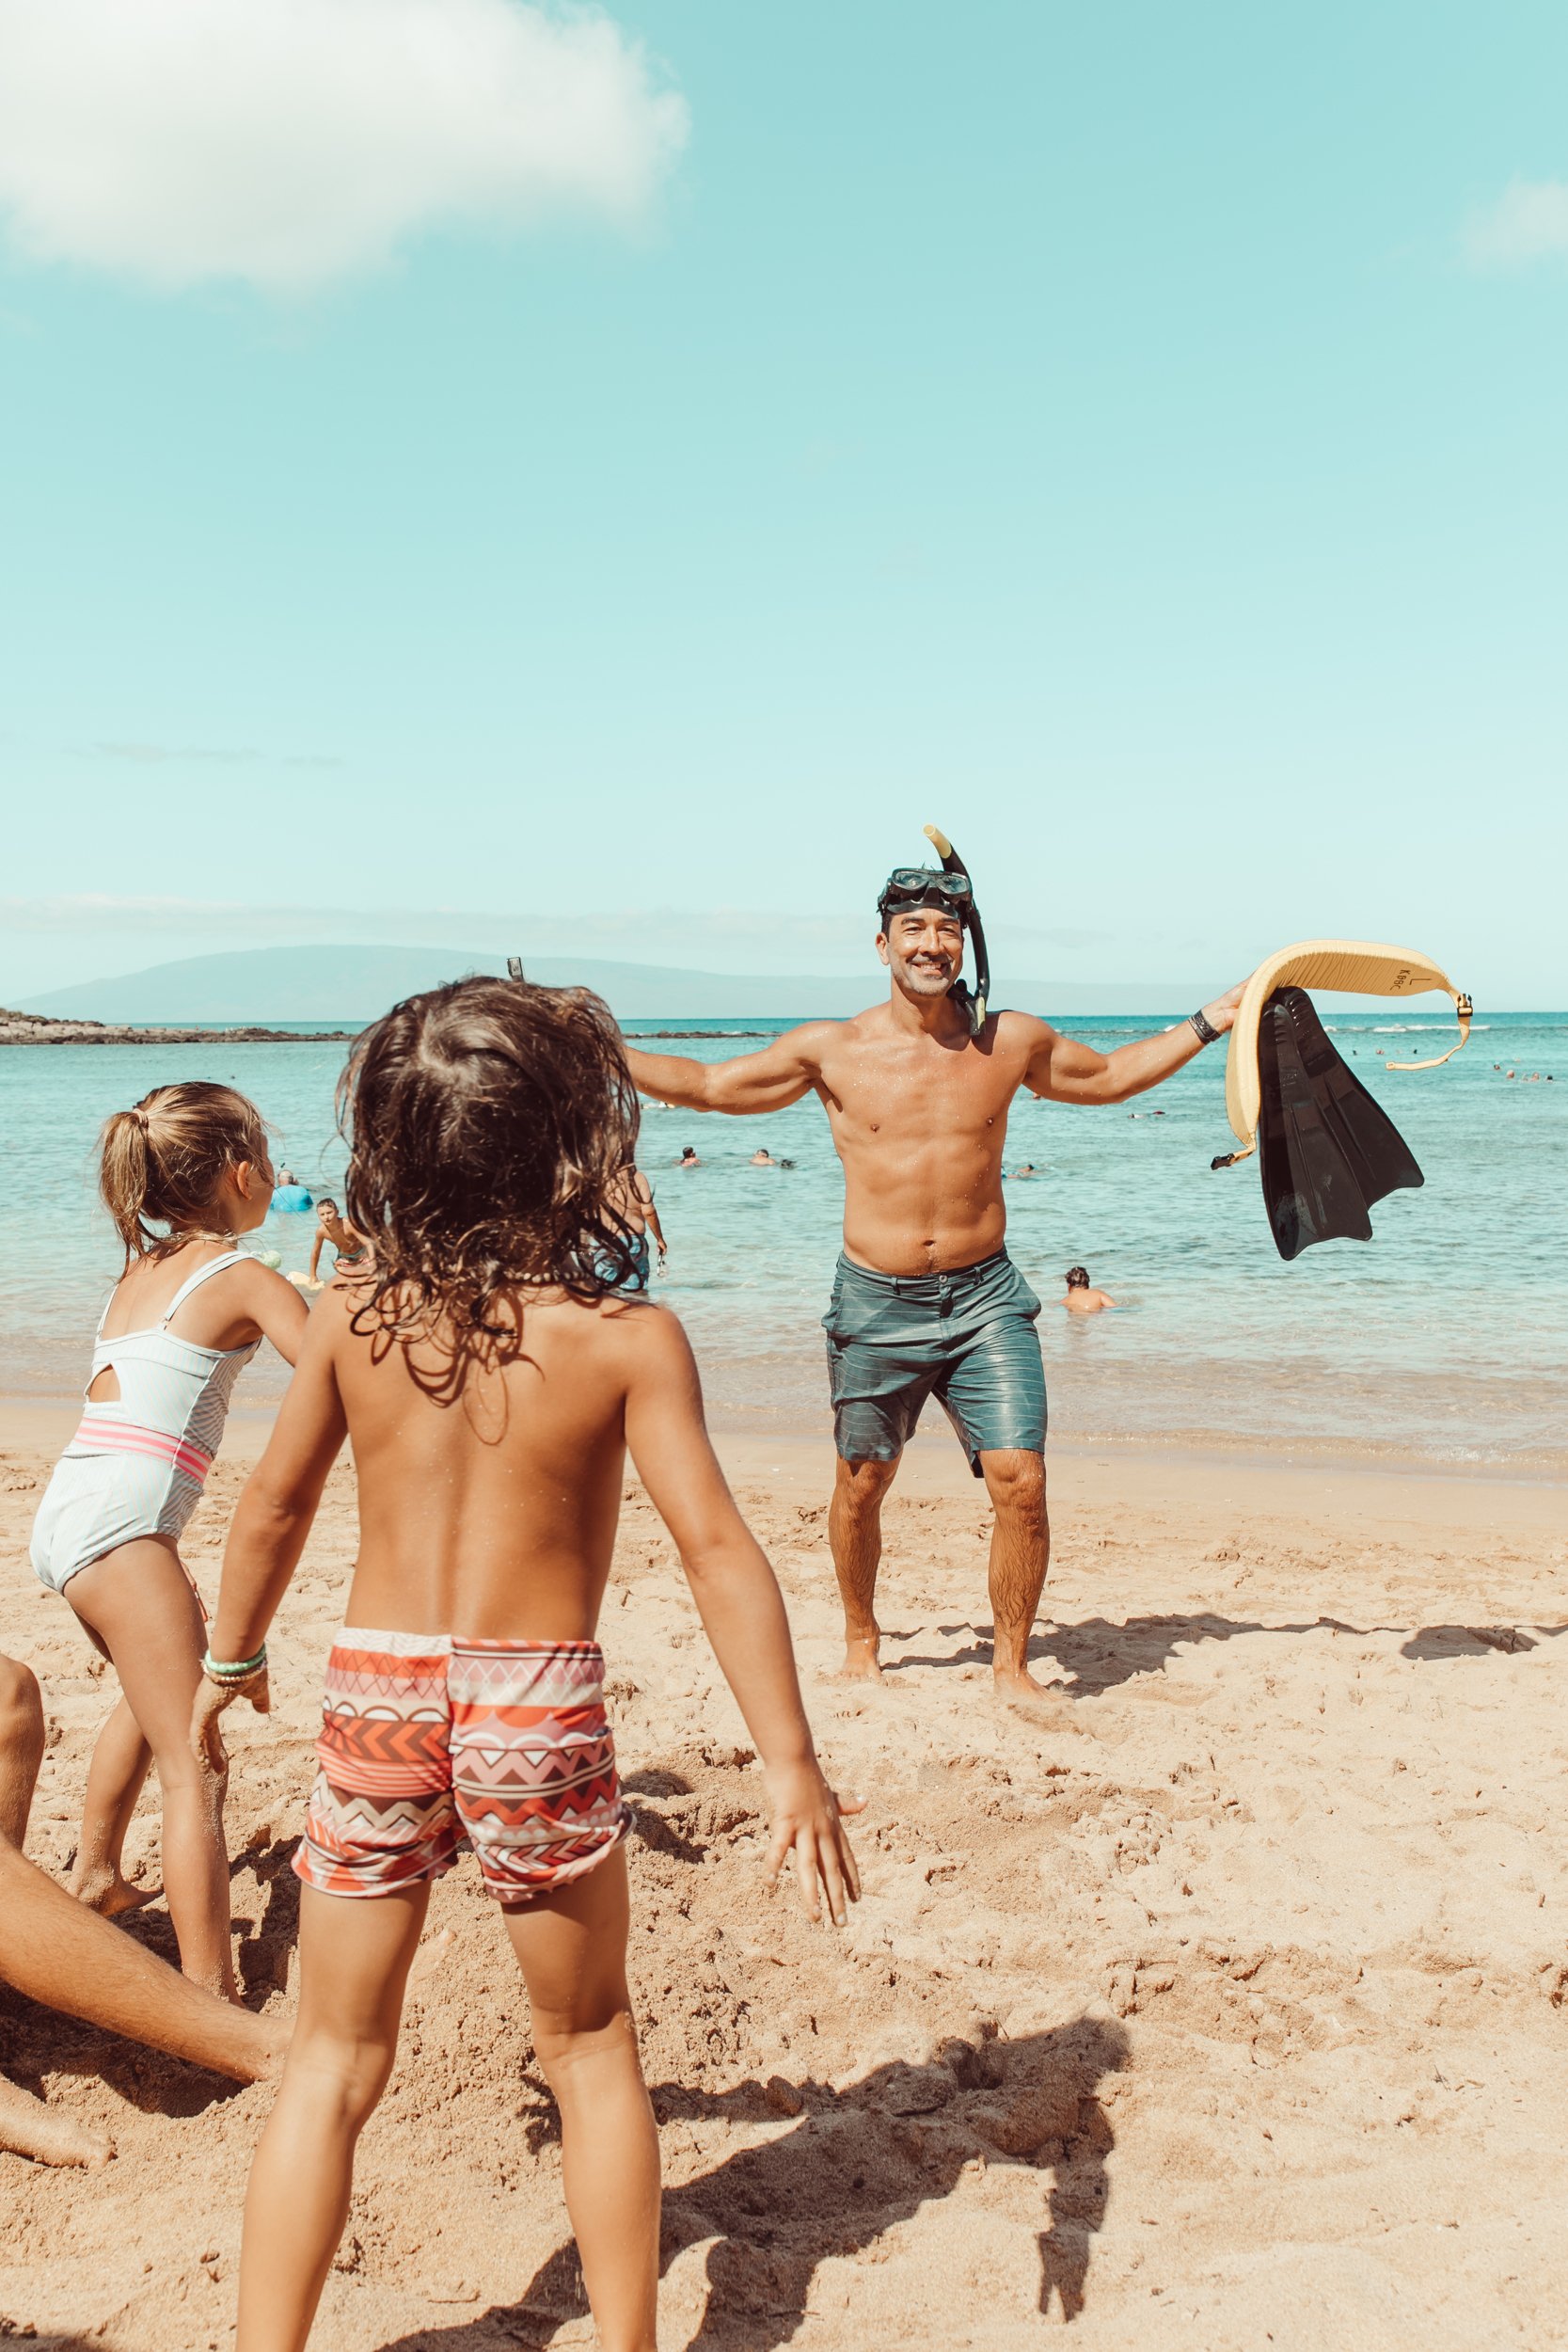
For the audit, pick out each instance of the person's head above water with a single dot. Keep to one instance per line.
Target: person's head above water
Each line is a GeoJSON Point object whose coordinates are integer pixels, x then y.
{"type": "Point", "coordinates": [1078, 1278]}
{"type": "Point", "coordinates": [688, 1150]}
{"type": "Point", "coordinates": [488, 1124]}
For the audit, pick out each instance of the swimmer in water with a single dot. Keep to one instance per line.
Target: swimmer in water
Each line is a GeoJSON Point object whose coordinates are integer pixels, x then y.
{"type": "Point", "coordinates": [1082, 1298]}
{"type": "Point", "coordinates": [764, 1158]}
{"type": "Point", "coordinates": [352, 1250]}
{"type": "Point", "coordinates": [688, 1156]}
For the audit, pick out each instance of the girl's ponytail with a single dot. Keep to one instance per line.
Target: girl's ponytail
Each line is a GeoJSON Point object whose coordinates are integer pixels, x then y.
{"type": "Point", "coordinates": [162, 1163]}
{"type": "Point", "coordinates": [125, 1175]}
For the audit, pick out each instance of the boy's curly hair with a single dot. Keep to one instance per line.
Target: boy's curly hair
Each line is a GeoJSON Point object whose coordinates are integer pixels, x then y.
{"type": "Point", "coordinates": [490, 1124]}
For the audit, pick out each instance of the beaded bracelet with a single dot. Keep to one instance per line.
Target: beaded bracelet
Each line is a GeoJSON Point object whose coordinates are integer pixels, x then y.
{"type": "Point", "coordinates": [226, 1672]}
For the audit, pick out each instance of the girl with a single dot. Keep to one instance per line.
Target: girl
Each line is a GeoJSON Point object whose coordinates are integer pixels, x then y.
{"type": "Point", "coordinates": [188, 1313]}
{"type": "Point", "coordinates": [492, 1369]}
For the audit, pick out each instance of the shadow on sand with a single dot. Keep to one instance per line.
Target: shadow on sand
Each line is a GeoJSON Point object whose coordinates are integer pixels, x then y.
{"type": "Point", "coordinates": [1098, 1654]}
{"type": "Point", "coordinates": [853, 2164]}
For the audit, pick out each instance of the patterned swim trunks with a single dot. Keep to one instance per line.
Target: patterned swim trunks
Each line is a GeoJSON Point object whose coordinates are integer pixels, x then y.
{"type": "Point", "coordinates": [429, 1741]}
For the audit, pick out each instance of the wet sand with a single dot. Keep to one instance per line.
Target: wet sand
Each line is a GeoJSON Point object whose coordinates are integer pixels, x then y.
{"type": "Point", "coordinates": [1225, 2009]}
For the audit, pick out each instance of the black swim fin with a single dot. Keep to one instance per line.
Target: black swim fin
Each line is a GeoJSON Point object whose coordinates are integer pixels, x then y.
{"type": "Point", "coordinates": [1326, 1150]}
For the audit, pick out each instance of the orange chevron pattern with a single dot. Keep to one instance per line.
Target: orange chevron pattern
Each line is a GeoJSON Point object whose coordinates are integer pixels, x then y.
{"type": "Point", "coordinates": [430, 1742]}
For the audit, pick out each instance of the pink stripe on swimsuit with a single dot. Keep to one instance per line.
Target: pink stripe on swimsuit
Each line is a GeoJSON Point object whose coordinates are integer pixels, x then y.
{"type": "Point", "coordinates": [128, 1436]}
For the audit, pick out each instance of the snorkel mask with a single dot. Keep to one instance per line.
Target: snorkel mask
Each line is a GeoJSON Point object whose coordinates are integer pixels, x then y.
{"type": "Point", "coordinates": [949, 889]}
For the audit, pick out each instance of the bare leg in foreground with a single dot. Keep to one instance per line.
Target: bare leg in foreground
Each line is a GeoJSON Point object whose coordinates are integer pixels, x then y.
{"type": "Point", "coordinates": [354, 1958]}
{"type": "Point", "coordinates": [855, 1533]}
{"type": "Point", "coordinates": [60, 1955]}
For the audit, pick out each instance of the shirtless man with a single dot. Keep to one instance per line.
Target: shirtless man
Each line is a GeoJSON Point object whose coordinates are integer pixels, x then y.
{"type": "Point", "coordinates": [926, 1301]}
{"type": "Point", "coordinates": [66, 1957]}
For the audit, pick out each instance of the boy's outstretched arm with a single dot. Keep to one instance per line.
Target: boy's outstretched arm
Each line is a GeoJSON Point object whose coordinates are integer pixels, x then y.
{"type": "Point", "coordinates": [271, 1520]}
{"type": "Point", "coordinates": [785, 1069]}
{"type": "Point", "coordinates": [741, 1607]}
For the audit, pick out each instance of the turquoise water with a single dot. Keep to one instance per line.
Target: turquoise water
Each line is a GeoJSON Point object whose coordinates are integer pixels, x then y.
{"type": "Point", "coordinates": [1446, 1336]}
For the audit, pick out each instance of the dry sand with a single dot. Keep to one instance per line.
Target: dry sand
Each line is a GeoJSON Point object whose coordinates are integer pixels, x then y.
{"type": "Point", "coordinates": [1228, 2011]}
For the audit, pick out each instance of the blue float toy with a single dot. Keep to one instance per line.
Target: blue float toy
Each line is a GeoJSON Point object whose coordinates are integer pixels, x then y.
{"type": "Point", "coordinates": [289, 1197]}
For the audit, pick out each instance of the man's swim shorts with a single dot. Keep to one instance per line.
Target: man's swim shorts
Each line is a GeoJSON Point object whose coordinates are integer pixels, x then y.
{"type": "Point", "coordinates": [967, 1338]}
{"type": "Point", "coordinates": [428, 1741]}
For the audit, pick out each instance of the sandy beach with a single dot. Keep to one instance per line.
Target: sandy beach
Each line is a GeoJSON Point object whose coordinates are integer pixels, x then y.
{"type": "Point", "coordinates": [1226, 2010]}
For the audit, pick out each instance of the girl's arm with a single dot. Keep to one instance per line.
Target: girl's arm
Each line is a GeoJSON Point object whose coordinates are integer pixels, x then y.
{"type": "Point", "coordinates": [277, 1309]}
{"type": "Point", "coordinates": [741, 1608]}
{"type": "Point", "coordinates": [271, 1520]}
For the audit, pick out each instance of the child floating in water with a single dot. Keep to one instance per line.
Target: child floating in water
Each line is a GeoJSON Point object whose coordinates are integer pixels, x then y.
{"type": "Point", "coordinates": [185, 1318]}
{"type": "Point", "coordinates": [492, 1374]}
{"type": "Point", "coordinates": [1082, 1298]}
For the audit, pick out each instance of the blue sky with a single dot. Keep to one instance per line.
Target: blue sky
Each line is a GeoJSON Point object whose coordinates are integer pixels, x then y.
{"type": "Point", "coordinates": [1131, 438]}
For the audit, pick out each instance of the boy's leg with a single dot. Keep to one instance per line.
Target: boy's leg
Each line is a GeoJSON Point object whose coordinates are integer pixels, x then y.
{"type": "Point", "coordinates": [572, 1949]}
{"type": "Point", "coordinates": [120, 1763]}
{"type": "Point", "coordinates": [138, 1600]}
{"type": "Point", "coordinates": [354, 1960]}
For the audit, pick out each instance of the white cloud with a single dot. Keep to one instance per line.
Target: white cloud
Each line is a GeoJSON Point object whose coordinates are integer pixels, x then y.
{"type": "Point", "coordinates": [1527, 223]}
{"type": "Point", "coordinates": [284, 143]}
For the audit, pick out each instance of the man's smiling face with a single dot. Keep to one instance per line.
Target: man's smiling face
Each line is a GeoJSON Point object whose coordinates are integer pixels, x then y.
{"type": "Point", "coordinates": [924, 947]}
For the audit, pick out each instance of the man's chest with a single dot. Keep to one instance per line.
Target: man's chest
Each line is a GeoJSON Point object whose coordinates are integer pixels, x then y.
{"type": "Point", "coordinates": [897, 1096]}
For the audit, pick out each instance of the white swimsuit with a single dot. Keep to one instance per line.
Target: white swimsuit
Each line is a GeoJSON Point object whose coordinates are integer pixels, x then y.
{"type": "Point", "coordinates": [136, 1466]}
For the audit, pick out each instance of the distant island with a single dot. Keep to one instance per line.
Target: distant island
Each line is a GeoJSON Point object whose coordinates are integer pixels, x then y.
{"type": "Point", "coordinates": [35, 1029]}
{"type": "Point", "coordinates": [350, 985]}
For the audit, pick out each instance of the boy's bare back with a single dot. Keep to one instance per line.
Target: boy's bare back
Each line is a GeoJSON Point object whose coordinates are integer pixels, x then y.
{"type": "Point", "coordinates": [494, 1508]}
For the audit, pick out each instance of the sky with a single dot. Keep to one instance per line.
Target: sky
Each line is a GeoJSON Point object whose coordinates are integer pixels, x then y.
{"type": "Point", "coordinates": [489, 475]}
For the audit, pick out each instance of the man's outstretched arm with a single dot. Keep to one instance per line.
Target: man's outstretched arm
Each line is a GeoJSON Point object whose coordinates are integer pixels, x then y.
{"type": "Point", "coordinates": [1064, 1071]}
{"type": "Point", "coordinates": [770, 1081]}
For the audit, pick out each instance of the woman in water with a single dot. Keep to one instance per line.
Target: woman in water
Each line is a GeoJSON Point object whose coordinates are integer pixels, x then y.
{"type": "Point", "coordinates": [184, 1175]}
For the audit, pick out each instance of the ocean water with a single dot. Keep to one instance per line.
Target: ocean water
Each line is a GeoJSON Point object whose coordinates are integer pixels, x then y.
{"type": "Point", "coordinates": [1445, 1337]}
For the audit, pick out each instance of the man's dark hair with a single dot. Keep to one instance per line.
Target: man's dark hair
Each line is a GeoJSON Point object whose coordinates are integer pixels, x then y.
{"type": "Point", "coordinates": [1078, 1278]}
{"type": "Point", "coordinates": [488, 1122]}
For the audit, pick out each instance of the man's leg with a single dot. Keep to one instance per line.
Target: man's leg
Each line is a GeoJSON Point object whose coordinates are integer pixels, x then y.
{"type": "Point", "coordinates": [855, 1532]}
{"type": "Point", "coordinates": [1019, 1556]}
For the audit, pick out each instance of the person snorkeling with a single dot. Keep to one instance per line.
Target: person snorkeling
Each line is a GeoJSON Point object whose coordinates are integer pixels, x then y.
{"type": "Point", "coordinates": [925, 1300]}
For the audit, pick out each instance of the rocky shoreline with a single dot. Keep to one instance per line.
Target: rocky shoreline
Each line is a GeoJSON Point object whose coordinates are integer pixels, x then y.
{"type": "Point", "coordinates": [35, 1028]}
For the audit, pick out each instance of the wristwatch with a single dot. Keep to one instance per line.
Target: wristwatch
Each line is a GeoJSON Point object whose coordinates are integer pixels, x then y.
{"type": "Point", "coordinates": [1203, 1029]}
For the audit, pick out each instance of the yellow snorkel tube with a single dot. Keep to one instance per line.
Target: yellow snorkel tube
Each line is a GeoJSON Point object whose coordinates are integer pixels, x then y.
{"type": "Point", "coordinates": [1359, 966]}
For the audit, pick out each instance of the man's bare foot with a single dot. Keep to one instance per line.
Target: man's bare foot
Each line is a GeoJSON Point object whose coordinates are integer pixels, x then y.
{"type": "Point", "coordinates": [108, 1894]}
{"type": "Point", "coordinates": [861, 1659]}
{"type": "Point", "coordinates": [45, 2134]}
{"type": "Point", "coordinates": [1017, 1687]}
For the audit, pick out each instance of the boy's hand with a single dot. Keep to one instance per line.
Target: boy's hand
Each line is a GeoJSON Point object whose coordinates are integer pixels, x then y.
{"type": "Point", "coordinates": [210, 1700]}
{"type": "Point", "coordinates": [807, 1823]}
